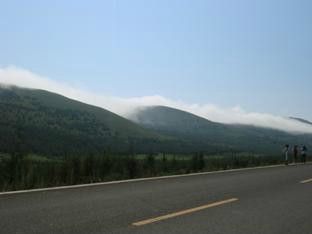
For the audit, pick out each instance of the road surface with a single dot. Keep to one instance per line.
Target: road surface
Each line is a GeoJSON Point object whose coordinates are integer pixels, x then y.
{"type": "Point", "coordinates": [271, 200]}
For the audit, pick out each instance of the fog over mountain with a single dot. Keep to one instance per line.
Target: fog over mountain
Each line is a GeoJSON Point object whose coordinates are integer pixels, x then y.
{"type": "Point", "coordinates": [127, 106]}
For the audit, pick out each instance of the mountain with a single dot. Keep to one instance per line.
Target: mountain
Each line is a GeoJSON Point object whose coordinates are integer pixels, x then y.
{"type": "Point", "coordinates": [47, 123]}
{"type": "Point", "coordinates": [214, 137]}
{"type": "Point", "coordinates": [301, 120]}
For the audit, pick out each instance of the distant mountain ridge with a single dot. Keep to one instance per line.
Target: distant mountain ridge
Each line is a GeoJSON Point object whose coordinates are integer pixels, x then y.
{"type": "Point", "coordinates": [41, 122]}
{"type": "Point", "coordinates": [207, 134]}
{"type": "Point", "coordinates": [301, 120]}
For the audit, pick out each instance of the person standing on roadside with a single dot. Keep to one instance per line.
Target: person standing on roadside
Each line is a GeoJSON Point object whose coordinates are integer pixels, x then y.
{"type": "Point", "coordinates": [286, 151]}
{"type": "Point", "coordinates": [304, 154]}
{"type": "Point", "coordinates": [295, 152]}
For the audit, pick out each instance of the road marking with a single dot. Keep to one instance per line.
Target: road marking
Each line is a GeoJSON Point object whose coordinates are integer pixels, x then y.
{"type": "Point", "coordinates": [183, 212]}
{"type": "Point", "coordinates": [306, 181]}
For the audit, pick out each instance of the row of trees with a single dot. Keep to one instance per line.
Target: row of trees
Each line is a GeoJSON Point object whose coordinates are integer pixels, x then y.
{"type": "Point", "coordinates": [26, 172]}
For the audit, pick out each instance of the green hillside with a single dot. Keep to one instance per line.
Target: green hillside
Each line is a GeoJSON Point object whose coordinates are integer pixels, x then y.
{"type": "Point", "coordinates": [37, 121]}
{"type": "Point", "coordinates": [44, 123]}
{"type": "Point", "coordinates": [205, 135]}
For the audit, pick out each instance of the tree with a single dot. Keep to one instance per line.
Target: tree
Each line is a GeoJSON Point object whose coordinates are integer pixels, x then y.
{"type": "Point", "coordinates": [150, 164]}
{"type": "Point", "coordinates": [132, 167]}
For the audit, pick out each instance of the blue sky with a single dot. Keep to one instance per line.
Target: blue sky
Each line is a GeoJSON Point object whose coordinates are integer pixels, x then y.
{"type": "Point", "coordinates": [256, 54]}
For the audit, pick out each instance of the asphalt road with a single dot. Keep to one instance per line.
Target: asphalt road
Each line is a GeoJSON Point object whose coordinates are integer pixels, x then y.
{"type": "Point", "coordinates": [263, 201]}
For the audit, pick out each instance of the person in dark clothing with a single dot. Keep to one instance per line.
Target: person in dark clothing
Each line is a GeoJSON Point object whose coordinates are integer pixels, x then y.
{"type": "Point", "coordinates": [304, 154]}
{"type": "Point", "coordinates": [295, 152]}
{"type": "Point", "coordinates": [286, 151]}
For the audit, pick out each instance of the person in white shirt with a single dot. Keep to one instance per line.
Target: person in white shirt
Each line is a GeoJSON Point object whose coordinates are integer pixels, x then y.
{"type": "Point", "coordinates": [286, 151]}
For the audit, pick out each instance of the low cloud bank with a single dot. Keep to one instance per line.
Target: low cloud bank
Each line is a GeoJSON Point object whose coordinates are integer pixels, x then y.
{"type": "Point", "coordinates": [126, 106]}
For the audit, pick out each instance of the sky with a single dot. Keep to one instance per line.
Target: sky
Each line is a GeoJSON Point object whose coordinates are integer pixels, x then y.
{"type": "Point", "coordinates": [242, 55]}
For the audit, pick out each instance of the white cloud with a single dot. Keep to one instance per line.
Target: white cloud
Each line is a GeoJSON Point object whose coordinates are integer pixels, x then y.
{"type": "Point", "coordinates": [125, 106]}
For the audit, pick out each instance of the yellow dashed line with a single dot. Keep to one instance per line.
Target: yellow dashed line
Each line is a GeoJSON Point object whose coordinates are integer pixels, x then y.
{"type": "Point", "coordinates": [183, 212]}
{"type": "Point", "coordinates": [306, 181]}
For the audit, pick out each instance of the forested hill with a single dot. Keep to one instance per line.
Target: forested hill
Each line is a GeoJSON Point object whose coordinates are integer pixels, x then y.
{"type": "Point", "coordinates": [44, 123]}
{"type": "Point", "coordinates": [209, 135]}
{"type": "Point", "coordinates": [37, 121]}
